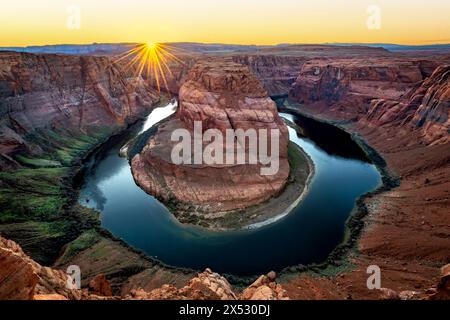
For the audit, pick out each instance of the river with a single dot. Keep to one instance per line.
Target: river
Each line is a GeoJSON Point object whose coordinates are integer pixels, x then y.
{"type": "Point", "coordinates": [308, 234]}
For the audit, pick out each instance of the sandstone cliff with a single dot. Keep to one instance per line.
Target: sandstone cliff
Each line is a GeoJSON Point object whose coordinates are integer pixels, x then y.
{"type": "Point", "coordinates": [65, 94]}
{"type": "Point", "coordinates": [426, 109]}
{"type": "Point", "coordinates": [221, 95]}
{"type": "Point", "coordinates": [400, 108]}
{"type": "Point", "coordinates": [406, 125]}
{"type": "Point", "coordinates": [276, 73]}
{"type": "Point", "coordinates": [21, 278]}
{"type": "Point", "coordinates": [346, 87]}
{"type": "Point", "coordinates": [54, 110]}
{"type": "Point", "coordinates": [277, 68]}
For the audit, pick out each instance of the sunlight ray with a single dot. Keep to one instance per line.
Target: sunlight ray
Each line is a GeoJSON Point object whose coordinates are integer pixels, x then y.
{"type": "Point", "coordinates": [151, 60]}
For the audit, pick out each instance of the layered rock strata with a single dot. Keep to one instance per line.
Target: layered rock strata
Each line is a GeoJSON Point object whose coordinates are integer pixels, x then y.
{"type": "Point", "coordinates": [21, 278]}
{"type": "Point", "coordinates": [66, 94]}
{"type": "Point", "coordinates": [218, 94]}
{"type": "Point", "coordinates": [346, 87]}
{"type": "Point", "coordinates": [276, 73]}
{"type": "Point", "coordinates": [407, 123]}
{"type": "Point", "coordinates": [426, 109]}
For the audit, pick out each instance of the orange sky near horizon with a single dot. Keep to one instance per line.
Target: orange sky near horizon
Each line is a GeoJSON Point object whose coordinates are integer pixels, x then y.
{"type": "Point", "coordinates": [28, 22]}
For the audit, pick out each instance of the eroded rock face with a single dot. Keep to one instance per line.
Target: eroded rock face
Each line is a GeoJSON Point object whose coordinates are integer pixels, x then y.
{"type": "Point", "coordinates": [221, 95]}
{"type": "Point", "coordinates": [22, 278]}
{"type": "Point", "coordinates": [205, 286]}
{"type": "Point", "coordinates": [411, 92]}
{"type": "Point", "coordinates": [427, 108]}
{"type": "Point", "coordinates": [212, 286]}
{"type": "Point", "coordinates": [276, 73]}
{"type": "Point", "coordinates": [346, 87]}
{"type": "Point", "coordinates": [265, 288]}
{"type": "Point", "coordinates": [17, 279]}
{"type": "Point", "coordinates": [277, 68]}
{"type": "Point", "coordinates": [433, 114]}
{"type": "Point", "coordinates": [442, 291]}
{"type": "Point", "coordinates": [100, 286]}
{"type": "Point", "coordinates": [66, 93]}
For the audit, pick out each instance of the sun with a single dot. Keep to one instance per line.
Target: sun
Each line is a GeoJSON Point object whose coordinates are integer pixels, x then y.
{"type": "Point", "coordinates": [152, 60]}
{"type": "Point", "coordinates": [150, 45]}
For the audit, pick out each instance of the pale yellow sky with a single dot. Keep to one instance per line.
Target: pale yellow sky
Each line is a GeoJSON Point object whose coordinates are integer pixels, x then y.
{"type": "Point", "coordinates": [39, 22]}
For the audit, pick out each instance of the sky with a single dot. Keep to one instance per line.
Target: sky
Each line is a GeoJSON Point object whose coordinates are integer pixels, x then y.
{"type": "Point", "coordinates": [40, 22]}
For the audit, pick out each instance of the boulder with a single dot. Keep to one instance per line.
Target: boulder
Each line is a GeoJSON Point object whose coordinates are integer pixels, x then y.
{"type": "Point", "coordinates": [100, 286]}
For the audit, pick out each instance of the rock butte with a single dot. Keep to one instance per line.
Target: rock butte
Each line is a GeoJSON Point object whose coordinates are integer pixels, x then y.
{"type": "Point", "coordinates": [222, 95]}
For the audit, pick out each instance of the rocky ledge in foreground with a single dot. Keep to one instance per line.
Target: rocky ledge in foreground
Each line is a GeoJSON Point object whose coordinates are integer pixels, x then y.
{"type": "Point", "coordinates": [21, 278]}
{"type": "Point", "coordinates": [221, 95]}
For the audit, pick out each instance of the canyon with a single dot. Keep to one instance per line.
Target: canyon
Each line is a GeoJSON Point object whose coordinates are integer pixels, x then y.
{"type": "Point", "coordinates": [21, 278]}
{"type": "Point", "coordinates": [54, 109]}
{"type": "Point", "coordinates": [407, 123]}
{"type": "Point", "coordinates": [69, 94]}
{"type": "Point", "coordinates": [220, 95]}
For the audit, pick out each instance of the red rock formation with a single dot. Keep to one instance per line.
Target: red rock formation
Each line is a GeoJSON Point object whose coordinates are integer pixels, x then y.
{"type": "Point", "coordinates": [277, 67]}
{"type": "Point", "coordinates": [442, 291]}
{"type": "Point", "coordinates": [17, 279]}
{"type": "Point", "coordinates": [346, 87]}
{"type": "Point", "coordinates": [433, 114]}
{"type": "Point", "coordinates": [403, 115]}
{"type": "Point", "coordinates": [205, 286]}
{"type": "Point", "coordinates": [265, 288]}
{"type": "Point", "coordinates": [222, 95]}
{"type": "Point", "coordinates": [211, 286]}
{"type": "Point", "coordinates": [64, 92]}
{"type": "Point", "coordinates": [426, 109]}
{"type": "Point", "coordinates": [276, 73]}
{"type": "Point", "coordinates": [22, 278]}
{"type": "Point", "coordinates": [100, 286]}
{"type": "Point", "coordinates": [419, 207]}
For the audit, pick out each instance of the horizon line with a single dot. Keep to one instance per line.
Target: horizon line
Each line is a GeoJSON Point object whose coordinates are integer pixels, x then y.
{"type": "Point", "coordinates": [231, 44]}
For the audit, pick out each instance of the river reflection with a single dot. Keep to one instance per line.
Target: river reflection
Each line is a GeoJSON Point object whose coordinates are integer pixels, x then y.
{"type": "Point", "coordinates": [307, 235]}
